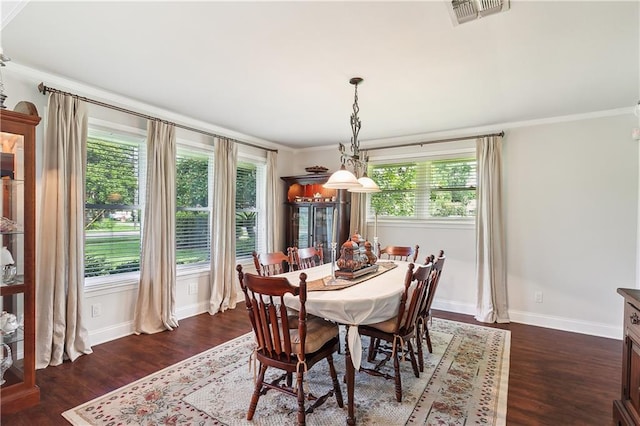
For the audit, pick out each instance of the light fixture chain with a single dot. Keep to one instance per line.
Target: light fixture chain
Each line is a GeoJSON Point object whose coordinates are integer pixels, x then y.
{"type": "Point", "coordinates": [355, 126]}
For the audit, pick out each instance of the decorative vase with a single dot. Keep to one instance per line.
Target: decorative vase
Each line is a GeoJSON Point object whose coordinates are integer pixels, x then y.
{"type": "Point", "coordinates": [8, 267]}
{"type": "Point", "coordinates": [5, 361]}
{"type": "Point", "coordinates": [8, 322]}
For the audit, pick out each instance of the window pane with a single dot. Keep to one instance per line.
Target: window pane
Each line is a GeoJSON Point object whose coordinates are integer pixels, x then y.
{"type": "Point", "coordinates": [423, 189]}
{"type": "Point", "coordinates": [112, 215]}
{"type": "Point", "coordinates": [453, 188]}
{"type": "Point", "coordinates": [246, 211]}
{"type": "Point", "coordinates": [193, 241]}
{"type": "Point", "coordinates": [398, 183]}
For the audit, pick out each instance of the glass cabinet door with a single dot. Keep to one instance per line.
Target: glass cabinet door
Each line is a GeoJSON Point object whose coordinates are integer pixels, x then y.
{"type": "Point", "coordinates": [323, 226]}
{"type": "Point", "coordinates": [18, 389]}
{"type": "Point", "coordinates": [300, 219]}
{"type": "Point", "coordinates": [12, 255]}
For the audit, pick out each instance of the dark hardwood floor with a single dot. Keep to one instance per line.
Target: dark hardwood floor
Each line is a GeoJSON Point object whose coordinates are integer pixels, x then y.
{"type": "Point", "coordinates": [556, 378]}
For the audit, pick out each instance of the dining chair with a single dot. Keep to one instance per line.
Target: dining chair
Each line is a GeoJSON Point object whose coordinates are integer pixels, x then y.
{"type": "Point", "coordinates": [292, 344]}
{"type": "Point", "coordinates": [406, 253]}
{"type": "Point", "coordinates": [424, 316]}
{"type": "Point", "coordinates": [308, 257]}
{"type": "Point", "coordinates": [268, 264]}
{"type": "Point", "coordinates": [398, 330]}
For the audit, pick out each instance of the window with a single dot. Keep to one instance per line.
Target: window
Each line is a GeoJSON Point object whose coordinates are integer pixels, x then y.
{"type": "Point", "coordinates": [113, 213]}
{"type": "Point", "coordinates": [429, 188]}
{"type": "Point", "coordinates": [193, 235]}
{"type": "Point", "coordinates": [250, 200]}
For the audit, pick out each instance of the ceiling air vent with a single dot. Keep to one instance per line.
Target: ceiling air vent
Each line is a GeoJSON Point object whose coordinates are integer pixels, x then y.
{"type": "Point", "coordinates": [462, 11]}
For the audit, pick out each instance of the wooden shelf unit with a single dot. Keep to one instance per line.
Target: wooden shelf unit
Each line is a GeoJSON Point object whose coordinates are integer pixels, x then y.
{"type": "Point", "coordinates": [18, 297]}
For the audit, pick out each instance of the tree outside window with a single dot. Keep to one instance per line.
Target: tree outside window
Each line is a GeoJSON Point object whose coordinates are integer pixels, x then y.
{"type": "Point", "coordinates": [193, 238]}
{"type": "Point", "coordinates": [112, 212]}
{"type": "Point", "coordinates": [246, 209]}
{"type": "Point", "coordinates": [425, 189]}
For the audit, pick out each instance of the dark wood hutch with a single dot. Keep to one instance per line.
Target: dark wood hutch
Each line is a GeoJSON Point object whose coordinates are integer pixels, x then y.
{"type": "Point", "coordinates": [626, 410]}
{"type": "Point", "coordinates": [310, 212]}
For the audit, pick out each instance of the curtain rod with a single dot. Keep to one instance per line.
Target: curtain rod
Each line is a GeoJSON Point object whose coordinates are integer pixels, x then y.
{"type": "Point", "coordinates": [435, 141]}
{"type": "Point", "coordinates": [44, 89]}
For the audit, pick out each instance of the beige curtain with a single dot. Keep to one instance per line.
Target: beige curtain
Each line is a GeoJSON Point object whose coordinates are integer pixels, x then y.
{"type": "Point", "coordinates": [358, 218]}
{"type": "Point", "coordinates": [223, 279]}
{"type": "Point", "coordinates": [490, 262]}
{"type": "Point", "coordinates": [60, 329]}
{"type": "Point", "coordinates": [274, 206]}
{"type": "Point", "coordinates": [155, 306]}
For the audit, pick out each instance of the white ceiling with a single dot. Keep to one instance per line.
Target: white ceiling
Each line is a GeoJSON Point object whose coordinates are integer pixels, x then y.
{"type": "Point", "coordinates": [280, 70]}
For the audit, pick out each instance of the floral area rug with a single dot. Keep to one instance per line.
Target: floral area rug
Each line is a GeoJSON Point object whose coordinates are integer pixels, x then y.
{"type": "Point", "coordinates": [464, 382]}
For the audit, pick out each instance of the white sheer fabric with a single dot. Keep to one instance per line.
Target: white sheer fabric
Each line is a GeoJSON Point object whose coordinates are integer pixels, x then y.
{"type": "Point", "coordinates": [274, 207]}
{"type": "Point", "coordinates": [490, 263]}
{"type": "Point", "coordinates": [223, 280]}
{"type": "Point", "coordinates": [155, 306]}
{"type": "Point", "coordinates": [60, 329]}
{"type": "Point", "coordinates": [358, 219]}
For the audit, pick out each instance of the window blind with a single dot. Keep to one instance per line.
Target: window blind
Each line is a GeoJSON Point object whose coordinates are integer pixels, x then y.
{"type": "Point", "coordinates": [250, 193]}
{"type": "Point", "coordinates": [427, 188]}
{"type": "Point", "coordinates": [112, 209]}
{"type": "Point", "coordinates": [194, 171]}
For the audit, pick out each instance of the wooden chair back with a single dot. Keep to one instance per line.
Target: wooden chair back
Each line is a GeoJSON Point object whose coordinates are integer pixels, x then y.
{"type": "Point", "coordinates": [414, 297]}
{"type": "Point", "coordinates": [434, 279]}
{"type": "Point", "coordinates": [264, 298]}
{"type": "Point", "coordinates": [425, 310]}
{"type": "Point", "coordinates": [307, 257]}
{"type": "Point", "coordinates": [406, 253]}
{"type": "Point", "coordinates": [269, 264]}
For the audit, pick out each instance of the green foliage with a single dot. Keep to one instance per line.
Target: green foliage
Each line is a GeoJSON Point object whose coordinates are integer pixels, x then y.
{"type": "Point", "coordinates": [192, 229]}
{"type": "Point", "coordinates": [398, 184]}
{"type": "Point", "coordinates": [246, 186]}
{"type": "Point", "coordinates": [449, 183]}
{"type": "Point", "coordinates": [112, 175]}
{"type": "Point", "coordinates": [246, 216]}
{"type": "Point", "coordinates": [246, 222]}
{"type": "Point", "coordinates": [192, 182]}
{"type": "Point", "coordinates": [450, 196]}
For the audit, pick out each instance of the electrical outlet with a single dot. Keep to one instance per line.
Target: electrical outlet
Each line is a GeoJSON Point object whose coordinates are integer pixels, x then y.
{"type": "Point", "coordinates": [96, 310]}
{"type": "Point", "coordinates": [538, 296]}
{"type": "Point", "coordinates": [193, 288]}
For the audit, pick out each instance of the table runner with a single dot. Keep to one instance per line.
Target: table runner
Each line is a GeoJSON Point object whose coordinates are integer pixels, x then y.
{"type": "Point", "coordinates": [324, 285]}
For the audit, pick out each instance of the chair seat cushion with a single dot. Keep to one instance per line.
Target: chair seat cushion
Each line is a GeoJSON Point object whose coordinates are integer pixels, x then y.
{"type": "Point", "coordinates": [388, 326]}
{"type": "Point", "coordinates": [319, 332]}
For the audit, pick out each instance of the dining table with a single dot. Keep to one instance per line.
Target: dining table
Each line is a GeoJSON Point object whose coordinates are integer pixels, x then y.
{"type": "Point", "coordinates": [368, 299]}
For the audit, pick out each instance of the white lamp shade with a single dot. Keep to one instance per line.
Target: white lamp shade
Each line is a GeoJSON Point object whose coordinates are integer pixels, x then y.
{"type": "Point", "coordinates": [368, 185]}
{"type": "Point", "coordinates": [342, 179]}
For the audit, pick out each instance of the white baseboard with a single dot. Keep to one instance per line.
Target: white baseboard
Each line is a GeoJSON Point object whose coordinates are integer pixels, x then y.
{"type": "Point", "coordinates": [117, 331]}
{"type": "Point", "coordinates": [567, 324]}
{"type": "Point", "coordinates": [535, 319]}
{"type": "Point", "coordinates": [192, 310]}
{"type": "Point", "coordinates": [110, 333]}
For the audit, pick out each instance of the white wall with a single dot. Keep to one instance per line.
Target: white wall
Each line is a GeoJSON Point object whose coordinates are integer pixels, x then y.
{"type": "Point", "coordinates": [570, 205]}
{"type": "Point", "coordinates": [571, 209]}
{"type": "Point", "coordinates": [571, 194]}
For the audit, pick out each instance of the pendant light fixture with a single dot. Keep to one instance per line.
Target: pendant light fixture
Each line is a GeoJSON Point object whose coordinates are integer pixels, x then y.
{"type": "Point", "coordinates": [343, 178]}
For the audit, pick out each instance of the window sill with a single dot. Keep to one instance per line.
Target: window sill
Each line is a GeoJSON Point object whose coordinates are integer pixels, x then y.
{"type": "Point", "coordinates": [427, 223]}
{"type": "Point", "coordinates": [129, 281]}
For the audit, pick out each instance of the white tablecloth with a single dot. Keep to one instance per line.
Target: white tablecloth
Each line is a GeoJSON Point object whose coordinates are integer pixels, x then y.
{"type": "Point", "coordinates": [368, 302]}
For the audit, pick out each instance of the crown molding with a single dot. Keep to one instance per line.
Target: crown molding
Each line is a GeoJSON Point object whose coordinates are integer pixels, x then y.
{"type": "Point", "coordinates": [65, 84]}
{"type": "Point", "coordinates": [464, 132]}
